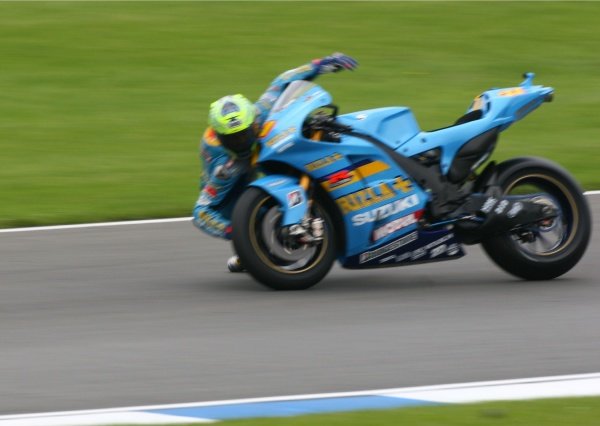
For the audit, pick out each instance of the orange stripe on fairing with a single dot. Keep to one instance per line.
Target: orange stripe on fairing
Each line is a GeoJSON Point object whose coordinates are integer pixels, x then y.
{"type": "Point", "coordinates": [266, 129]}
{"type": "Point", "coordinates": [361, 172]}
{"type": "Point", "coordinates": [371, 168]}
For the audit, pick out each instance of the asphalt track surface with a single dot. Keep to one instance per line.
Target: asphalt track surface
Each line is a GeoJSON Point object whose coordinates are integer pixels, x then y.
{"type": "Point", "coordinates": [147, 314]}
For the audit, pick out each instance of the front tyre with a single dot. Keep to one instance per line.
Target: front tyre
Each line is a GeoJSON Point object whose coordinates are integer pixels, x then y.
{"type": "Point", "coordinates": [551, 248]}
{"type": "Point", "coordinates": [269, 256]}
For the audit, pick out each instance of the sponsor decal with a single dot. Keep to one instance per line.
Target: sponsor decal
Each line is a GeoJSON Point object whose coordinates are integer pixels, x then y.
{"type": "Point", "coordinates": [373, 195]}
{"type": "Point", "coordinates": [277, 182]}
{"type": "Point", "coordinates": [322, 162]}
{"type": "Point", "coordinates": [210, 190]}
{"type": "Point", "coordinates": [339, 177]}
{"type": "Point", "coordinates": [512, 92]}
{"type": "Point", "coordinates": [386, 210]}
{"type": "Point", "coordinates": [435, 248]}
{"type": "Point", "coordinates": [489, 204]}
{"type": "Point", "coordinates": [441, 240]}
{"type": "Point", "coordinates": [374, 254]}
{"type": "Point", "coordinates": [477, 103]}
{"type": "Point", "coordinates": [210, 221]}
{"type": "Point", "coordinates": [234, 122]}
{"type": "Point", "coordinates": [453, 249]}
{"type": "Point", "coordinates": [515, 209]}
{"type": "Point", "coordinates": [281, 137]}
{"type": "Point", "coordinates": [204, 200]}
{"type": "Point", "coordinates": [501, 206]}
{"type": "Point", "coordinates": [284, 147]}
{"type": "Point", "coordinates": [266, 128]}
{"type": "Point", "coordinates": [352, 174]}
{"type": "Point", "coordinates": [387, 259]}
{"type": "Point", "coordinates": [294, 198]}
{"type": "Point", "coordinates": [396, 225]}
{"type": "Point", "coordinates": [418, 253]}
{"type": "Point", "coordinates": [437, 251]}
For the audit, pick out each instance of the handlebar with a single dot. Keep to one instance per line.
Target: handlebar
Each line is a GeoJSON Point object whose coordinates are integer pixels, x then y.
{"type": "Point", "coordinates": [328, 123]}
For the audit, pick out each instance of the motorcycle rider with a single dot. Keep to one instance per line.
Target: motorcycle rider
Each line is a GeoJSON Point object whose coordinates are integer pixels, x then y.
{"type": "Point", "coordinates": [230, 141]}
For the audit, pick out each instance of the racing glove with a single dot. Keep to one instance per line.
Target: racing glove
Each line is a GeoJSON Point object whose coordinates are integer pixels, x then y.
{"type": "Point", "coordinates": [334, 63]}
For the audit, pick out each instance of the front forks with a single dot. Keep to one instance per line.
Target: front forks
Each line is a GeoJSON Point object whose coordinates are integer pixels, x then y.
{"type": "Point", "coordinates": [310, 230]}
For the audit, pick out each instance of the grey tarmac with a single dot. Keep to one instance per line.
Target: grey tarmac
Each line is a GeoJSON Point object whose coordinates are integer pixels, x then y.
{"type": "Point", "coordinates": [147, 314]}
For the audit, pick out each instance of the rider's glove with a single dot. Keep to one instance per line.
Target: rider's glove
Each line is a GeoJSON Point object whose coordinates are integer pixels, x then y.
{"type": "Point", "coordinates": [334, 63]}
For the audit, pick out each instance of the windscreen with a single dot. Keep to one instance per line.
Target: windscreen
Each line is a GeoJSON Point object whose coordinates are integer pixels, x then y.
{"type": "Point", "coordinates": [291, 93]}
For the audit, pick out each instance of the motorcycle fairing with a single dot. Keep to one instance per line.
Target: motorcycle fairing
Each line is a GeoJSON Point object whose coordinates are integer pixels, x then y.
{"type": "Point", "coordinates": [392, 125]}
{"type": "Point", "coordinates": [288, 192]}
{"type": "Point", "coordinates": [397, 128]}
{"type": "Point", "coordinates": [331, 162]}
{"type": "Point", "coordinates": [357, 176]}
{"type": "Point", "coordinates": [414, 247]}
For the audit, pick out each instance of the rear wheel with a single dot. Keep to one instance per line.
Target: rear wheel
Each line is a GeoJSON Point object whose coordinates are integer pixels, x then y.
{"type": "Point", "coordinates": [272, 257]}
{"type": "Point", "coordinates": [552, 247]}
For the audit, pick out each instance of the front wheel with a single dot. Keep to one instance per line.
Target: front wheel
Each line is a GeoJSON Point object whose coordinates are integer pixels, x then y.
{"type": "Point", "coordinates": [269, 255]}
{"type": "Point", "coordinates": [552, 247]}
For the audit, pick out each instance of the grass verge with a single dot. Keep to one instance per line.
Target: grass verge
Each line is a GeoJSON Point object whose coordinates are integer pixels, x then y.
{"type": "Point", "coordinates": [102, 104]}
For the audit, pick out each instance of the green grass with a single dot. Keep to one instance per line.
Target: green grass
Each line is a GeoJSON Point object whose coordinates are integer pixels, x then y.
{"type": "Point", "coordinates": [547, 412]}
{"type": "Point", "coordinates": [102, 104]}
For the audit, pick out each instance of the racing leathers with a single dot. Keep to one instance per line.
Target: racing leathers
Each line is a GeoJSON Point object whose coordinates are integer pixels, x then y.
{"type": "Point", "coordinates": [223, 173]}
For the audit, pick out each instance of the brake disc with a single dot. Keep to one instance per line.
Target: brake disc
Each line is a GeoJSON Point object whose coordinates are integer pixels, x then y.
{"type": "Point", "coordinates": [278, 246]}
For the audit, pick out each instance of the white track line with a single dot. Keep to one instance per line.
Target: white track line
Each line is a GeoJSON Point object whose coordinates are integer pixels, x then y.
{"type": "Point", "coordinates": [96, 225]}
{"type": "Point", "coordinates": [127, 222]}
{"type": "Point", "coordinates": [552, 386]}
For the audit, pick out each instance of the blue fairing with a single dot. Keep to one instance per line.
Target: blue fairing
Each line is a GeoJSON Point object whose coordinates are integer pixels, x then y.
{"type": "Point", "coordinates": [290, 195]}
{"type": "Point", "coordinates": [500, 108]}
{"type": "Point", "coordinates": [379, 203]}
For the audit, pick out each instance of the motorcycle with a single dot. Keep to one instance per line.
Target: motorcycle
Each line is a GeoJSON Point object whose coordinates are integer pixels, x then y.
{"type": "Point", "coordinates": [371, 189]}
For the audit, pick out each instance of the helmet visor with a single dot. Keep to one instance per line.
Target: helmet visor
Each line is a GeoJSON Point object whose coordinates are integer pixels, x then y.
{"type": "Point", "coordinates": [239, 142]}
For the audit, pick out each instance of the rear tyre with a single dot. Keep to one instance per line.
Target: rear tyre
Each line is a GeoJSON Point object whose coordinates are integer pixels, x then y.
{"type": "Point", "coordinates": [268, 256]}
{"type": "Point", "coordinates": [558, 244]}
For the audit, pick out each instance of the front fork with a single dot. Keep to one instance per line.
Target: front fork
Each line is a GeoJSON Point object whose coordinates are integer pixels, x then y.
{"type": "Point", "coordinates": [310, 230]}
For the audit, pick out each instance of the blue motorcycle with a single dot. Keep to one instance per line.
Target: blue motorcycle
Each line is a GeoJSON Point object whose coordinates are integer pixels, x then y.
{"type": "Point", "coordinates": [371, 189]}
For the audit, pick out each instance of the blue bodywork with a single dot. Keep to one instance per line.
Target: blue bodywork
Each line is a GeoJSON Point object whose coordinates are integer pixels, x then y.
{"type": "Point", "coordinates": [379, 202]}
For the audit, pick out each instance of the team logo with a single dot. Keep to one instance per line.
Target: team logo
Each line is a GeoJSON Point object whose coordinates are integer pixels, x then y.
{"type": "Point", "coordinates": [339, 178]}
{"type": "Point", "coordinates": [386, 210]}
{"type": "Point", "coordinates": [396, 225]}
{"type": "Point", "coordinates": [282, 137]}
{"type": "Point", "coordinates": [294, 198]}
{"type": "Point", "coordinates": [374, 194]}
{"type": "Point", "coordinates": [394, 245]}
{"type": "Point", "coordinates": [322, 162]}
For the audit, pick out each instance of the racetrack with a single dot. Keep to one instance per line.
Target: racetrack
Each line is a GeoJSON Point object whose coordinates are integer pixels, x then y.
{"type": "Point", "coordinates": [147, 314]}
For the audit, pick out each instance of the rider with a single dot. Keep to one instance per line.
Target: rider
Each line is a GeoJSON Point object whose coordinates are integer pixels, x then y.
{"type": "Point", "coordinates": [230, 140]}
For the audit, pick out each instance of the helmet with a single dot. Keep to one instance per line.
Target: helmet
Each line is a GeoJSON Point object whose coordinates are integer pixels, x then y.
{"type": "Point", "coordinates": [231, 118]}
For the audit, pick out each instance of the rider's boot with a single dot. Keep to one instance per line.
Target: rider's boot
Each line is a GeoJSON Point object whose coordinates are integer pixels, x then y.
{"type": "Point", "coordinates": [234, 264]}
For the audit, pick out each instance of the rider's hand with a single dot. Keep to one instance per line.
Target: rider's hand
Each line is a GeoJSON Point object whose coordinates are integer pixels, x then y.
{"type": "Point", "coordinates": [334, 63]}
